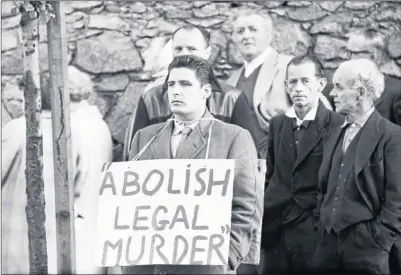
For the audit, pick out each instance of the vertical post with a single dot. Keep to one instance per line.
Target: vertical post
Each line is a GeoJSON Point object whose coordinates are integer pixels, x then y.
{"type": "Point", "coordinates": [62, 147]}
{"type": "Point", "coordinates": [35, 208]}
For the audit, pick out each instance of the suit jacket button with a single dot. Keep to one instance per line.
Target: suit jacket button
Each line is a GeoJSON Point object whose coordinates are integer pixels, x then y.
{"type": "Point", "coordinates": [240, 259]}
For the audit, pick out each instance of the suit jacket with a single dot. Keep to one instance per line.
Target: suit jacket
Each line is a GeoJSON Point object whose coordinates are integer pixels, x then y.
{"type": "Point", "coordinates": [377, 175]}
{"type": "Point", "coordinates": [389, 104]}
{"type": "Point", "coordinates": [397, 110]}
{"type": "Point", "coordinates": [269, 99]}
{"type": "Point", "coordinates": [153, 108]}
{"type": "Point", "coordinates": [227, 141]}
{"type": "Point", "coordinates": [293, 177]}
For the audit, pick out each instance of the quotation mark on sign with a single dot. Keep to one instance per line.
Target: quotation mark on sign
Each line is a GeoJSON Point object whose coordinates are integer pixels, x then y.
{"type": "Point", "coordinates": [225, 229]}
{"type": "Point", "coordinates": [106, 166]}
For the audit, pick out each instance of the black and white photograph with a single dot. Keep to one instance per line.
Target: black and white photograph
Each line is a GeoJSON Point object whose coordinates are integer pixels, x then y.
{"type": "Point", "coordinates": [200, 137]}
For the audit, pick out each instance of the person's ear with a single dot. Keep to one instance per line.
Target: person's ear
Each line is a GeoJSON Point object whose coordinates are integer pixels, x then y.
{"type": "Point", "coordinates": [207, 91]}
{"type": "Point", "coordinates": [322, 84]}
{"type": "Point", "coordinates": [361, 93]}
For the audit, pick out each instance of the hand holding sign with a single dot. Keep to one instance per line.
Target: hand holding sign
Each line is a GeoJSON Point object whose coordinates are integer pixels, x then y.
{"type": "Point", "coordinates": [165, 212]}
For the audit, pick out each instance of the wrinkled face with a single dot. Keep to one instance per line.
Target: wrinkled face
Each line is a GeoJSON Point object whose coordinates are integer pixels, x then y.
{"type": "Point", "coordinates": [345, 96]}
{"type": "Point", "coordinates": [190, 42]}
{"type": "Point", "coordinates": [251, 34]}
{"type": "Point", "coordinates": [303, 85]}
{"type": "Point", "coordinates": [187, 96]}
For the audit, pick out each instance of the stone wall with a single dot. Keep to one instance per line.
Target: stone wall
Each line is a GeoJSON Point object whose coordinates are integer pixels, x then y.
{"type": "Point", "coordinates": [117, 42]}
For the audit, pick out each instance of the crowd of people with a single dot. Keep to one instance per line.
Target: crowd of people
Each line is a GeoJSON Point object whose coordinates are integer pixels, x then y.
{"type": "Point", "coordinates": [317, 185]}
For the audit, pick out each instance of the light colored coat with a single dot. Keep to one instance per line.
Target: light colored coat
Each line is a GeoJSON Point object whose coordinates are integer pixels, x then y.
{"type": "Point", "coordinates": [95, 138]}
{"type": "Point", "coordinates": [227, 141]}
{"type": "Point", "coordinates": [15, 253]}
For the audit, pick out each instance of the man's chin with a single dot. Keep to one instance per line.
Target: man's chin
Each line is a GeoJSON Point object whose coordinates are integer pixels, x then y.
{"type": "Point", "coordinates": [249, 53]}
{"type": "Point", "coordinates": [178, 111]}
{"type": "Point", "coordinates": [300, 104]}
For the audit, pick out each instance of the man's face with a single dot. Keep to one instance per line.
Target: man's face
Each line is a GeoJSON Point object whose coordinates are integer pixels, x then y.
{"type": "Point", "coordinates": [303, 85]}
{"type": "Point", "coordinates": [251, 35]}
{"type": "Point", "coordinates": [187, 96]}
{"type": "Point", "coordinates": [345, 96]}
{"type": "Point", "coordinates": [190, 42]}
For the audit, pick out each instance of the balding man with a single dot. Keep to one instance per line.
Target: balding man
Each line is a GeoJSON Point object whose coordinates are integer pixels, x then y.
{"type": "Point", "coordinates": [359, 179]}
{"type": "Point", "coordinates": [261, 78]}
{"type": "Point", "coordinates": [153, 105]}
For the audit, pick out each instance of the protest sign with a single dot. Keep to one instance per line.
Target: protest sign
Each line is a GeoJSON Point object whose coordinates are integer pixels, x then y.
{"type": "Point", "coordinates": [157, 212]}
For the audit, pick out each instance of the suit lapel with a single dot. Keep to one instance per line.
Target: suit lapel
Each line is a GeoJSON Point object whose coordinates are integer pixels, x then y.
{"type": "Point", "coordinates": [328, 152]}
{"type": "Point", "coordinates": [370, 136]}
{"type": "Point", "coordinates": [197, 139]}
{"type": "Point", "coordinates": [312, 135]}
{"type": "Point", "coordinates": [265, 79]}
{"type": "Point", "coordinates": [287, 140]}
{"type": "Point", "coordinates": [161, 147]}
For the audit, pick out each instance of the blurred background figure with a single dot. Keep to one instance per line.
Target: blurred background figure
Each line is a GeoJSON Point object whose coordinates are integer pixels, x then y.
{"type": "Point", "coordinates": [15, 252]}
{"type": "Point", "coordinates": [388, 104]}
{"type": "Point", "coordinates": [12, 101]}
{"type": "Point", "coordinates": [161, 68]}
{"type": "Point", "coordinates": [96, 141]}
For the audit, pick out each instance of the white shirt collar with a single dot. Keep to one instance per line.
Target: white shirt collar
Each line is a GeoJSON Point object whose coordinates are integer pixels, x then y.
{"type": "Point", "coordinates": [361, 121]}
{"type": "Point", "coordinates": [311, 115]}
{"type": "Point", "coordinates": [251, 66]}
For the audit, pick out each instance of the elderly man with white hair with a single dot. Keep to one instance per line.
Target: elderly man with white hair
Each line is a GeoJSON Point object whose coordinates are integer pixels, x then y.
{"type": "Point", "coordinates": [97, 146]}
{"type": "Point", "coordinates": [359, 179]}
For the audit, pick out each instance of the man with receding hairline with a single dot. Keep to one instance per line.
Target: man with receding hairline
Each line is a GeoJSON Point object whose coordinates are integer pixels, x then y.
{"type": "Point", "coordinates": [153, 106]}
{"type": "Point", "coordinates": [295, 147]}
{"type": "Point", "coordinates": [359, 180]}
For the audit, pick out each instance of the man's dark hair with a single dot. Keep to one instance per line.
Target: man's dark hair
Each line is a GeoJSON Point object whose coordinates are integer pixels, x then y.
{"type": "Point", "coordinates": [305, 59]}
{"type": "Point", "coordinates": [203, 31]}
{"type": "Point", "coordinates": [202, 68]}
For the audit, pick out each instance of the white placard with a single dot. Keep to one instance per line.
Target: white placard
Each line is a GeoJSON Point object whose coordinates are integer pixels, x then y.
{"type": "Point", "coordinates": [158, 212]}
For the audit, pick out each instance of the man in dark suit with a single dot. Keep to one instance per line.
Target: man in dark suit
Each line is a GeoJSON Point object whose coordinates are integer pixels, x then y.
{"type": "Point", "coordinates": [193, 133]}
{"type": "Point", "coordinates": [294, 154]}
{"type": "Point", "coordinates": [359, 179]}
